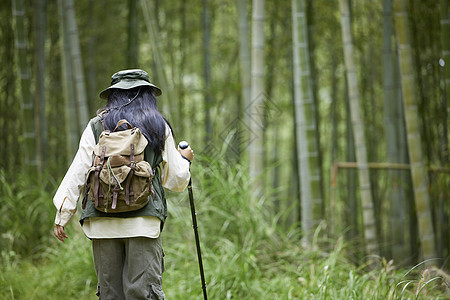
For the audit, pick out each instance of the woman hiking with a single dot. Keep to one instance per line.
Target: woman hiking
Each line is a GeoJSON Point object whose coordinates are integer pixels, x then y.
{"type": "Point", "coordinates": [127, 249]}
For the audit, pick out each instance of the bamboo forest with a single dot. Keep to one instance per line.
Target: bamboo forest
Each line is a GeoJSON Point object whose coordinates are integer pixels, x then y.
{"type": "Point", "coordinates": [320, 130]}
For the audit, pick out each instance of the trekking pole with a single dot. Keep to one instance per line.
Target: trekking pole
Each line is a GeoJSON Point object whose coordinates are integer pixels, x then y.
{"type": "Point", "coordinates": [184, 145]}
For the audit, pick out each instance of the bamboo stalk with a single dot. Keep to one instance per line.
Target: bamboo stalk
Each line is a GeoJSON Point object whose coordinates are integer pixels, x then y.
{"type": "Point", "coordinates": [368, 213]}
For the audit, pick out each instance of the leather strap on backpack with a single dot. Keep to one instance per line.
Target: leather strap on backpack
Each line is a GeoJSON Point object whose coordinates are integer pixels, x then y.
{"type": "Point", "coordinates": [86, 192]}
{"type": "Point", "coordinates": [121, 122]}
{"type": "Point", "coordinates": [129, 193]}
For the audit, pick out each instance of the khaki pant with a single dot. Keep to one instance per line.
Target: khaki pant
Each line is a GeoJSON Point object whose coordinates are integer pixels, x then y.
{"type": "Point", "coordinates": [129, 268]}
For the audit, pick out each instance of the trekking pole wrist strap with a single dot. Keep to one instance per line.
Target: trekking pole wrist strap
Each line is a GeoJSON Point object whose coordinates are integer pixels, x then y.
{"type": "Point", "coordinates": [186, 159]}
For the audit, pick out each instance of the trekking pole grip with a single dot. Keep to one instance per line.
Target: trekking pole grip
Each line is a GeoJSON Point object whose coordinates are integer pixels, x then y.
{"type": "Point", "coordinates": [183, 145]}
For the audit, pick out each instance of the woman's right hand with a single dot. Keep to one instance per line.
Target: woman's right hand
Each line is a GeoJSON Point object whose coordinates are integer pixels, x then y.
{"type": "Point", "coordinates": [188, 153]}
{"type": "Point", "coordinates": [59, 233]}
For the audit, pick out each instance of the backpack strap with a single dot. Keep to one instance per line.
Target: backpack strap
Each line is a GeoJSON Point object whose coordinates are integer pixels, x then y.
{"type": "Point", "coordinates": [129, 194]}
{"type": "Point", "coordinates": [150, 182]}
{"type": "Point", "coordinates": [97, 127]}
{"type": "Point", "coordinates": [98, 194]}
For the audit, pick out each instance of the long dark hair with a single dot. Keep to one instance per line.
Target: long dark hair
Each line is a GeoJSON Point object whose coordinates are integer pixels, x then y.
{"type": "Point", "coordinates": [138, 107]}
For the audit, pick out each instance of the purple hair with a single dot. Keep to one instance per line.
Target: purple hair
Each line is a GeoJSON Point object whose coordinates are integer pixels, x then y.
{"type": "Point", "coordinates": [138, 107]}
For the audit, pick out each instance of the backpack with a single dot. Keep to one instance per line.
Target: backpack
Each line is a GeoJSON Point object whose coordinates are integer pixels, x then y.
{"type": "Point", "coordinates": [120, 180]}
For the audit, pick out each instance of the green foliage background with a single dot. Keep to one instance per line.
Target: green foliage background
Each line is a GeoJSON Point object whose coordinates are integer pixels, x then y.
{"type": "Point", "coordinates": [251, 249]}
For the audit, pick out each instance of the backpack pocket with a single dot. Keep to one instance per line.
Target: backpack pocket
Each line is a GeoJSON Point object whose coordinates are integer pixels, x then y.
{"type": "Point", "coordinates": [120, 189]}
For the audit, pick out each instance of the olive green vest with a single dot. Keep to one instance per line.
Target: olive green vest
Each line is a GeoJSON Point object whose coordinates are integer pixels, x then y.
{"type": "Point", "coordinates": [156, 207]}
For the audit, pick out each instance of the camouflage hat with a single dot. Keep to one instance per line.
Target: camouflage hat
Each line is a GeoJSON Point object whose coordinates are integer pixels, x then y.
{"type": "Point", "coordinates": [128, 79]}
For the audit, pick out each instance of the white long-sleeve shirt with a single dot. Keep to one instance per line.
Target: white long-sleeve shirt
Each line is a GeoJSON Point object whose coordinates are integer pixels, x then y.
{"type": "Point", "coordinates": [175, 176]}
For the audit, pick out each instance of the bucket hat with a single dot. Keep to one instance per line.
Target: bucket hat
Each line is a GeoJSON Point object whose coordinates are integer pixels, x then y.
{"type": "Point", "coordinates": [128, 79]}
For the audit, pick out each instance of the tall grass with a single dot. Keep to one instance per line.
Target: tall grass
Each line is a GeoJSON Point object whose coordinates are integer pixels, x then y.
{"type": "Point", "coordinates": [26, 212]}
{"type": "Point", "coordinates": [246, 254]}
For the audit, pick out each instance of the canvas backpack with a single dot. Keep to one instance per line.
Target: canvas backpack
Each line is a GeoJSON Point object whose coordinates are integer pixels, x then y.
{"type": "Point", "coordinates": [120, 180]}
